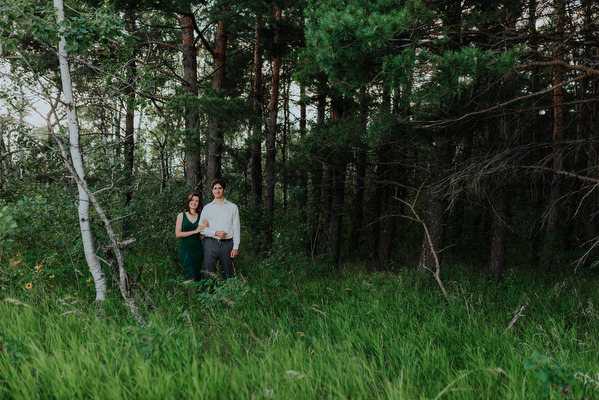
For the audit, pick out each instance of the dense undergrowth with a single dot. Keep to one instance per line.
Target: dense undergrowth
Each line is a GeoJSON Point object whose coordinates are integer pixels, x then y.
{"type": "Point", "coordinates": [286, 328]}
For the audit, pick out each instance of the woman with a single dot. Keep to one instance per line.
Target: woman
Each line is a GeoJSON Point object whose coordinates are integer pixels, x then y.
{"type": "Point", "coordinates": [189, 230]}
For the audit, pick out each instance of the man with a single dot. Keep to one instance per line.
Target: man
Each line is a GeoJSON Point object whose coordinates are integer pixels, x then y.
{"type": "Point", "coordinates": [222, 234]}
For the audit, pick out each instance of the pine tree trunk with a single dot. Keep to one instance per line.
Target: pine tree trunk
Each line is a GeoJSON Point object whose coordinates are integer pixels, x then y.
{"type": "Point", "coordinates": [589, 120]}
{"type": "Point", "coordinates": [357, 220]}
{"type": "Point", "coordinates": [336, 220]}
{"type": "Point", "coordinates": [318, 182]}
{"type": "Point", "coordinates": [437, 204]}
{"type": "Point", "coordinates": [256, 161]}
{"type": "Point", "coordinates": [269, 195]}
{"type": "Point", "coordinates": [215, 130]}
{"type": "Point", "coordinates": [129, 143]}
{"type": "Point", "coordinates": [500, 201]}
{"type": "Point", "coordinates": [193, 173]}
{"type": "Point", "coordinates": [552, 245]}
{"type": "Point", "coordinates": [256, 145]}
{"type": "Point", "coordinates": [303, 174]}
{"type": "Point", "coordinates": [335, 197]}
{"type": "Point", "coordinates": [390, 209]}
{"type": "Point", "coordinates": [535, 132]}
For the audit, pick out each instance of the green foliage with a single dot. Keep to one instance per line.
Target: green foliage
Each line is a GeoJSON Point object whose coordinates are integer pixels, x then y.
{"type": "Point", "coordinates": [8, 227]}
{"type": "Point", "coordinates": [14, 349]}
{"type": "Point", "coordinates": [230, 293]}
{"type": "Point", "coordinates": [151, 342]}
{"type": "Point", "coordinates": [555, 378]}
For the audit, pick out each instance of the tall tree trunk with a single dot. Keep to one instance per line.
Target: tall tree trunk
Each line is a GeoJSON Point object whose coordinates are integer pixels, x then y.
{"type": "Point", "coordinates": [535, 132]}
{"type": "Point", "coordinates": [215, 129]}
{"type": "Point", "coordinates": [437, 203]}
{"type": "Point", "coordinates": [286, 128]}
{"type": "Point", "coordinates": [256, 161]}
{"type": "Point", "coordinates": [589, 119]}
{"type": "Point", "coordinates": [193, 173]}
{"type": "Point", "coordinates": [358, 201]}
{"type": "Point", "coordinates": [394, 176]}
{"type": "Point", "coordinates": [129, 144]}
{"type": "Point", "coordinates": [21, 134]}
{"type": "Point", "coordinates": [500, 198]}
{"type": "Point", "coordinates": [376, 200]}
{"type": "Point", "coordinates": [551, 245]}
{"type": "Point", "coordinates": [391, 209]}
{"type": "Point", "coordinates": [500, 210]}
{"type": "Point", "coordinates": [335, 194]}
{"type": "Point", "coordinates": [77, 161]}
{"type": "Point", "coordinates": [318, 180]}
{"type": "Point", "coordinates": [443, 149]}
{"type": "Point", "coordinates": [256, 143]}
{"type": "Point", "coordinates": [3, 160]}
{"type": "Point", "coordinates": [333, 242]}
{"type": "Point", "coordinates": [269, 195]}
{"type": "Point", "coordinates": [303, 174]}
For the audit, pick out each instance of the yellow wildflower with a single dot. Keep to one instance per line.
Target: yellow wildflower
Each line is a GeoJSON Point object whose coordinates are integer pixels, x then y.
{"type": "Point", "coordinates": [51, 276]}
{"type": "Point", "coordinates": [51, 286]}
{"type": "Point", "coordinates": [151, 269]}
{"type": "Point", "coordinates": [38, 267]}
{"type": "Point", "coordinates": [28, 286]}
{"type": "Point", "coordinates": [89, 279]}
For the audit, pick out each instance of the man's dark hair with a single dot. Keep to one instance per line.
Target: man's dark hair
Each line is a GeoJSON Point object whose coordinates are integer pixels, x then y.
{"type": "Point", "coordinates": [218, 182]}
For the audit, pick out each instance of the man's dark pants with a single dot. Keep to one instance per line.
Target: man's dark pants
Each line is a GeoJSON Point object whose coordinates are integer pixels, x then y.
{"type": "Point", "coordinates": [218, 250]}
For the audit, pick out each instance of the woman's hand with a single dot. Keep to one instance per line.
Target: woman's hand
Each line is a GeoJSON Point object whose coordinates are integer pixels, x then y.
{"type": "Point", "coordinates": [205, 223]}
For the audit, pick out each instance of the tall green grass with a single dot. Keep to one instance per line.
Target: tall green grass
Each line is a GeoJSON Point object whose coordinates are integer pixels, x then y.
{"type": "Point", "coordinates": [347, 336]}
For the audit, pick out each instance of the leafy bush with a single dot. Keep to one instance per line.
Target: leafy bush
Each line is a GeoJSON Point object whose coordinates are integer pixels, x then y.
{"type": "Point", "coordinates": [555, 378]}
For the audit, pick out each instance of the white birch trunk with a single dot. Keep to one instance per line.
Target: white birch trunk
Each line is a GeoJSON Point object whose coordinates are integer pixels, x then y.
{"type": "Point", "coordinates": [84, 222]}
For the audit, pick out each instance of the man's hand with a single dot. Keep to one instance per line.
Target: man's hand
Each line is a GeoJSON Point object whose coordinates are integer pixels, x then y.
{"type": "Point", "coordinates": [234, 253]}
{"type": "Point", "coordinates": [221, 234]}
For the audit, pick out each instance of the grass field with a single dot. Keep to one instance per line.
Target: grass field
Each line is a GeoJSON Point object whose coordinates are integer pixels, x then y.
{"type": "Point", "coordinates": [308, 336]}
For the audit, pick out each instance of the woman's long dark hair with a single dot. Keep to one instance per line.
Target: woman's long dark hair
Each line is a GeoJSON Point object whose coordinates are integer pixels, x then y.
{"type": "Point", "coordinates": [200, 203]}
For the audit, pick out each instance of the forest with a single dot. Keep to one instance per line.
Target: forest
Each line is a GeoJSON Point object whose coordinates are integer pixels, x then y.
{"type": "Point", "coordinates": [416, 181]}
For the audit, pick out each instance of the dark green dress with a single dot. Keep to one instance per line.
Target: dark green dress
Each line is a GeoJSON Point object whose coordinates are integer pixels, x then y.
{"type": "Point", "coordinates": [191, 253]}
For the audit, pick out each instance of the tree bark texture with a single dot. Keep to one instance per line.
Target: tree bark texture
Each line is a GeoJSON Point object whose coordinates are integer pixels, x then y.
{"type": "Point", "coordinates": [193, 173]}
{"type": "Point", "coordinates": [271, 136]}
{"type": "Point", "coordinates": [130, 89]}
{"type": "Point", "coordinates": [335, 170]}
{"type": "Point", "coordinates": [215, 130]}
{"type": "Point", "coordinates": [437, 203]}
{"type": "Point", "coordinates": [357, 221]}
{"type": "Point", "coordinates": [77, 161]}
{"type": "Point", "coordinates": [551, 245]}
{"type": "Point", "coordinates": [256, 160]}
{"type": "Point", "coordinates": [499, 201]}
{"type": "Point", "coordinates": [391, 207]}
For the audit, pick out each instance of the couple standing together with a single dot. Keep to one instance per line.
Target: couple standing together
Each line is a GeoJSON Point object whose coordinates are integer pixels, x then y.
{"type": "Point", "coordinates": [218, 223]}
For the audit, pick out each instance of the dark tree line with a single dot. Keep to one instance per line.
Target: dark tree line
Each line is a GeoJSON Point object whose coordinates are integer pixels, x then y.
{"type": "Point", "coordinates": [342, 124]}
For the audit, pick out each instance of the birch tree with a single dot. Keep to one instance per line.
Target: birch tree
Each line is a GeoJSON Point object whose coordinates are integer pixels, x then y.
{"type": "Point", "coordinates": [85, 195]}
{"type": "Point", "coordinates": [77, 161]}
